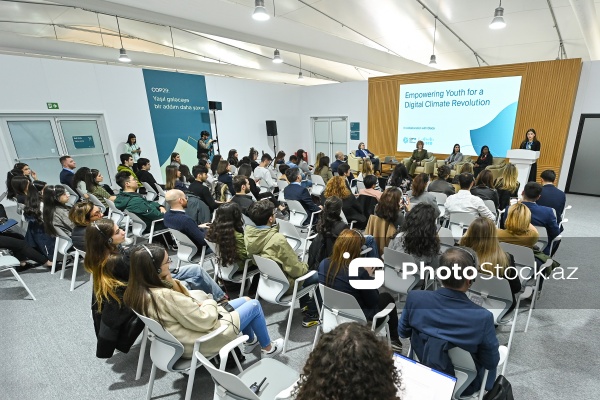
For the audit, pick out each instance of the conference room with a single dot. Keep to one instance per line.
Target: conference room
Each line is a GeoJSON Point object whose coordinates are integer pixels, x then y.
{"type": "Point", "coordinates": [108, 103]}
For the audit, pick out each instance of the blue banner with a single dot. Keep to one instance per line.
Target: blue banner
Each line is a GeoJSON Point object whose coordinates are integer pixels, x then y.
{"type": "Point", "coordinates": [179, 112]}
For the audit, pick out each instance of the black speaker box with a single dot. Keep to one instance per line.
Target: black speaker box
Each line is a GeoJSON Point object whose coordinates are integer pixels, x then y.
{"type": "Point", "coordinates": [215, 105]}
{"type": "Point", "coordinates": [271, 128]}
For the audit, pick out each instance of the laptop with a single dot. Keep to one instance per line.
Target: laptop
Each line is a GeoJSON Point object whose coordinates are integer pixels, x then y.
{"type": "Point", "coordinates": [422, 383]}
{"type": "Point", "coordinates": [390, 160]}
{"type": "Point", "coordinates": [6, 224]}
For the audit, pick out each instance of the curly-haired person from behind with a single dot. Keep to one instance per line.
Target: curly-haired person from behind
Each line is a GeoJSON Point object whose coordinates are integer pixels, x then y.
{"type": "Point", "coordinates": [341, 367]}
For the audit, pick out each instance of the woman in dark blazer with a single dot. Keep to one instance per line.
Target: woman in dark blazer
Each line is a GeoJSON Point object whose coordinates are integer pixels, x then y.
{"type": "Point", "coordinates": [485, 158]}
{"type": "Point", "coordinates": [531, 143]}
{"type": "Point", "coordinates": [418, 155]}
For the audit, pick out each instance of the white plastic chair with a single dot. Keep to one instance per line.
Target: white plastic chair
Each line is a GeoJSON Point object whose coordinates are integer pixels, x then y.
{"type": "Point", "coordinates": [298, 214]}
{"type": "Point", "coordinates": [440, 198]}
{"type": "Point", "coordinates": [151, 193]}
{"type": "Point", "coordinates": [491, 206]}
{"type": "Point", "coordinates": [73, 196]}
{"type": "Point", "coordinates": [299, 243]}
{"type": "Point", "coordinates": [247, 220]}
{"type": "Point", "coordinates": [62, 245]}
{"type": "Point", "coordinates": [279, 377]}
{"type": "Point", "coordinates": [344, 219]}
{"type": "Point", "coordinates": [78, 253]}
{"type": "Point", "coordinates": [273, 286]}
{"type": "Point", "coordinates": [161, 195]}
{"type": "Point", "coordinates": [318, 186]}
{"type": "Point", "coordinates": [543, 238]}
{"type": "Point", "coordinates": [466, 372]}
{"type": "Point", "coordinates": [166, 352]}
{"type": "Point", "coordinates": [393, 270]}
{"type": "Point", "coordinates": [138, 226]}
{"type": "Point", "coordinates": [186, 249]}
{"type": "Point", "coordinates": [459, 222]}
{"type": "Point", "coordinates": [524, 260]}
{"type": "Point", "coordinates": [232, 273]}
{"type": "Point", "coordinates": [94, 200]}
{"type": "Point", "coordinates": [119, 217]}
{"type": "Point", "coordinates": [340, 307]}
{"type": "Point", "coordinates": [8, 263]}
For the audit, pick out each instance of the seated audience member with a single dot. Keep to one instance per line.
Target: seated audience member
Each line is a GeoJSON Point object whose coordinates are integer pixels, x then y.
{"type": "Point", "coordinates": [205, 163]}
{"type": "Point", "coordinates": [172, 178]}
{"type": "Point", "coordinates": [22, 251]}
{"type": "Point", "coordinates": [367, 169]}
{"type": "Point", "coordinates": [265, 240]}
{"type": "Point", "coordinates": [370, 183]}
{"type": "Point", "coordinates": [507, 186]}
{"type": "Point", "coordinates": [20, 185]}
{"type": "Point", "coordinates": [400, 178]}
{"type": "Point", "coordinates": [351, 207]}
{"type": "Point", "coordinates": [128, 199]}
{"type": "Point", "coordinates": [175, 159]}
{"type": "Point", "coordinates": [441, 184]}
{"type": "Point", "coordinates": [552, 196]}
{"type": "Point", "coordinates": [282, 170]}
{"type": "Point", "coordinates": [519, 229]}
{"type": "Point", "coordinates": [540, 215]}
{"type": "Point", "coordinates": [436, 319]}
{"type": "Point", "coordinates": [190, 315]}
{"type": "Point", "coordinates": [302, 164]}
{"type": "Point", "coordinates": [295, 191]}
{"type": "Point", "coordinates": [418, 235]}
{"type": "Point", "coordinates": [292, 161]}
{"type": "Point", "coordinates": [454, 158]}
{"type": "Point", "coordinates": [177, 219]}
{"type": "Point", "coordinates": [185, 175]}
{"type": "Point", "coordinates": [323, 169]}
{"type": "Point", "coordinates": [246, 170]}
{"type": "Point", "coordinates": [68, 171]}
{"type": "Point", "coordinates": [466, 168]}
{"type": "Point", "coordinates": [116, 326]}
{"type": "Point", "coordinates": [353, 351]}
{"type": "Point", "coordinates": [93, 184]}
{"type": "Point", "coordinates": [484, 187]}
{"type": "Point", "coordinates": [339, 160]}
{"type": "Point", "coordinates": [127, 166]}
{"type": "Point", "coordinates": [333, 273]}
{"type": "Point", "coordinates": [484, 160]}
{"type": "Point", "coordinates": [262, 173]}
{"type": "Point", "coordinates": [224, 171]}
{"type": "Point", "coordinates": [419, 193]}
{"type": "Point", "coordinates": [253, 156]}
{"type": "Point", "coordinates": [19, 169]}
{"type": "Point", "coordinates": [199, 188]}
{"type": "Point", "coordinates": [280, 158]}
{"type": "Point", "coordinates": [144, 174]}
{"type": "Point", "coordinates": [344, 171]}
{"type": "Point", "coordinates": [244, 160]}
{"type": "Point", "coordinates": [493, 261]}
{"type": "Point", "coordinates": [214, 164]}
{"type": "Point", "coordinates": [232, 157]}
{"type": "Point", "coordinates": [365, 154]}
{"type": "Point", "coordinates": [56, 213]}
{"type": "Point", "coordinates": [465, 202]}
{"type": "Point", "coordinates": [241, 185]}
{"type": "Point", "coordinates": [79, 180]}
{"type": "Point", "coordinates": [388, 217]}
{"type": "Point", "coordinates": [36, 235]}
{"type": "Point", "coordinates": [82, 214]}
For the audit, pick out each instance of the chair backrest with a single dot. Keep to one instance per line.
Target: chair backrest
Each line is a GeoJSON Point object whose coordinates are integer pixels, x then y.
{"type": "Point", "coordinates": [543, 237]}
{"type": "Point", "coordinates": [81, 193]}
{"type": "Point", "coordinates": [233, 170]}
{"type": "Point", "coordinates": [464, 370]}
{"type": "Point", "coordinates": [186, 249]}
{"type": "Point", "coordinates": [339, 308]}
{"type": "Point", "coordinates": [459, 222]}
{"type": "Point", "coordinates": [494, 293]}
{"type": "Point", "coordinates": [64, 241]}
{"type": "Point", "coordinates": [273, 283]}
{"type": "Point", "coordinates": [3, 195]}
{"type": "Point", "coordinates": [524, 258]}
{"type": "Point", "coordinates": [165, 350]}
{"type": "Point", "coordinates": [290, 232]}
{"type": "Point", "coordinates": [440, 198]}
{"type": "Point", "coordinates": [116, 215]}
{"type": "Point", "coordinates": [318, 186]}
{"type": "Point", "coordinates": [394, 267]}
{"type": "Point", "coordinates": [368, 203]}
{"type": "Point", "coordinates": [234, 387]}
{"type": "Point", "coordinates": [490, 204]}
{"type": "Point", "coordinates": [224, 271]}
{"type": "Point", "coordinates": [360, 185]}
{"type": "Point", "coordinates": [446, 237]}
{"type": "Point", "coordinates": [73, 196]}
{"type": "Point", "coordinates": [247, 220]}
{"type": "Point", "coordinates": [150, 191]}
{"type": "Point", "coordinates": [138, 226]}
{"type": "Point", "coordinates": [297, 213]}
{"type": "Point", "coordinates": [96, 202]}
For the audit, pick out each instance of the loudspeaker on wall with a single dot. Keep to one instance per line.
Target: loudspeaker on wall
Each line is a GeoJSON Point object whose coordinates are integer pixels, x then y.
{"type": "Point", "coordinates": [271, 128]}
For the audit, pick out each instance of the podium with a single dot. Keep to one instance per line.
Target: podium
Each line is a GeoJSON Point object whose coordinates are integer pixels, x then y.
{"type": "Point", "coordinates": [522, 159]}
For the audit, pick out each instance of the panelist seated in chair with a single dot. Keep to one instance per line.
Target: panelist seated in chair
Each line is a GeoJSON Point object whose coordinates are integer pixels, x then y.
{"type": "Point", "coordinates": [152, 292]}
{"type": "Point", "coordinates": [295, 191]}
{"type": "Point", "coordinates": [365, 153]}
{"type": "Point", "coordinates": [417, 157]}
{"type": "Point", "coordinates": [455, 157]}
{"type": "Point", "coordinates": [436, 321]}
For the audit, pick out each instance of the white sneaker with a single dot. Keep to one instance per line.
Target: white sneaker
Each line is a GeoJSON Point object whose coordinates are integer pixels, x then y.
{"type": "Point", "coordinates": [276, 348]}
{"type": "Point", "coordinates": [249, 346]}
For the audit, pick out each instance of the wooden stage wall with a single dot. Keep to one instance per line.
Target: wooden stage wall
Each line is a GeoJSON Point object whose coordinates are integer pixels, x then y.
{"type": "Point", "coordinates": [546, 101]}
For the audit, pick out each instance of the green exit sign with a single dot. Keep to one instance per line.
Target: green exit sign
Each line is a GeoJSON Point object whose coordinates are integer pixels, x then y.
{"type": "Point", "coordinates": [52, 106]}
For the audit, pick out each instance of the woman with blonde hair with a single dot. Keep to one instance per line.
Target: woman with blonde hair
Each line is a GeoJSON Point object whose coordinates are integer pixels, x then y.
{"type": "Point", "coordinates": [173, 181]}
{"type": "Point", "coordinates": [482, 237]}
{"type": "Point", "coordinates": [507, 186]}
{"type": "Point", "coordinates": [334, 273]}
{"type": "Point", "coordinates": [519, 229]}
{"type": "Point", "coordinates": [351, 207]}
{"type": "Point", "coordinates": [367, 168]}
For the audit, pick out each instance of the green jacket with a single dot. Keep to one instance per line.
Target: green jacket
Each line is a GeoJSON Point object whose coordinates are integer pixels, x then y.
{"type": "Point", "coordinates": [133, 202]}
{"type": "Point", "coordinates": [271, 244]}
{"type": "Point", "coordinates": [121, 168]}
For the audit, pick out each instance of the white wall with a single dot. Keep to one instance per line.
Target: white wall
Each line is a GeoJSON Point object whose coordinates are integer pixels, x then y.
{"type": "Point", "coordinates": [349, 99]}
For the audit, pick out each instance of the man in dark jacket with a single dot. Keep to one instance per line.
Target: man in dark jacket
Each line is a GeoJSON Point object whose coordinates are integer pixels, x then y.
{"type": "Point", "coordinates": [200, 189]}
{"type": "Point", "coordinates": [552, 196]}
{"type": "Point", "coordinates": [143, 173]}
{"type": "Point", "coordinates": [541, 215]}
{"type": "Point", "coordinates": [128, 199]}
{"type": "Point", "coordinates": [241, 185]}
{"type": "Point", "coordinates": [68, 171]}
{"type": "Point", "coordinates": [295, 191]}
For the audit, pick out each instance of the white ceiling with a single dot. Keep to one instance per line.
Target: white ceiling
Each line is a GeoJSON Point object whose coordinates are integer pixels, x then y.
{"type": "Point", "coordinates": [336, 40]}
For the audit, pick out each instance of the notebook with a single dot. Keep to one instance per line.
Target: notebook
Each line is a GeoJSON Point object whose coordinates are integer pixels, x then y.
{"type": "Point", "coordinates": [6, 225]}
{"type": "Point", "coordinates": [422, 383]}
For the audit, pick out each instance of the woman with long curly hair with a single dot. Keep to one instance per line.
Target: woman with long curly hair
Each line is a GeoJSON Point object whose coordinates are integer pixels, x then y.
{"type": "Point", "coordinates": [349, 362]}
{"type": "Point", "coordinates": [390, 207]}
{"type": "Point", "coordinates": [418, 235]}
{"type": "Point", "coordinates": [351, 207]}
{"type": "Point", "coordinates": [334, 273]}
{"type": "Point", "coordinates": [227, 232]}
{"type": "Point", "coordinates": [400, 178]}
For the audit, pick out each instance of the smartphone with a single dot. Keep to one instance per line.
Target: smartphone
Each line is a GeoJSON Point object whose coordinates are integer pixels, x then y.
{"type": "Point", "coordinates": [405, 199]}
{"type": "Point", "coordinates": [228, 307]}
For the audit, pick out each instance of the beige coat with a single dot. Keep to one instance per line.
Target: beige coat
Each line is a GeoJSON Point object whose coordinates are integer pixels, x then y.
{"type": "Point", "coordinates": [191, 315]}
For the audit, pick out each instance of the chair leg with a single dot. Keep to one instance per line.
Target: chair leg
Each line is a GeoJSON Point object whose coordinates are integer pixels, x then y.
{"type": "Point", "coordinates": [74, 273]}
{"type": "Point", "coordinates": [192, 374]}
{"type": "Point", "coordinates": [64, 266]}
{"type": "Point", "coordinates": [289, 325]}
{"type": "Point", "coordinates": [533, 298]}
{"type": "Point", "coordinates": [317, 336]}
{"type": "Point", "coordinates": [55, 257]}
{"type": "Point", "coordinates": [138, 372]}
{"type": "Point", "coordinates": [151, 382]}
{"type": "Point", "coordinates": [18, 277]}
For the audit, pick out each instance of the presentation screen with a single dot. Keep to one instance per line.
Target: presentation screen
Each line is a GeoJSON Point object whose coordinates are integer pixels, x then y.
{"type": "Point", "coordinates": [472, 113]}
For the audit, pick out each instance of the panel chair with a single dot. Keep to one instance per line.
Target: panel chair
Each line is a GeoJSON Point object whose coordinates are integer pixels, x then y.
{"type": "Point", "coordinates": [232, 273]}
{"type": "Point", "coordinates": [280, 379]}
{"type": "Point", "coordinates": [466, 372]}
{"type": "Point", "coordinates": [339, 307]}
{"type": "Point", "coordinates": [151, 193]}
{"type": "Point", "coordinates": [166, 352]}
{"type": "Point", "coordinates": [273, 285]}
{"type": "Point", "coordinates": [318, 186]}
{"type": "Point", "coordinates": [73, 196]}
{"type": "Point", "coordinates": [62, 245]}
{"type": "Point", "coordinates": [187, 250]}
{"type": "Point", "coordinates": [393, 271]}
{"type": "Point", "coordinates": [138, 227]}
{"type": "Point", "coordinates": [8, 263]}
{"type": "Point", "coordinates": [495, 296]}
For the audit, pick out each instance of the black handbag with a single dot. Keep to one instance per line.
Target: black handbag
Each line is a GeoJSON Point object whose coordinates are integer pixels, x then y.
{"type": "Point", "coordinates": [502, 390]}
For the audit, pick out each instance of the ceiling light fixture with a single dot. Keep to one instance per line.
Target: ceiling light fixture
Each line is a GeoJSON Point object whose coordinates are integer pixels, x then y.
{"type": "Point", "coordinates": [432, 59]}
{"type": "Point", "coordinates": [123, 57]}
{"type": "Point", "coordinates": [260, 12]}
{"type": "Point", "coordinates": [300, 76]}
{"type": "Point", "coordinates": [277, 57]}
{"type": "Point", "coordinates": [498, 21]}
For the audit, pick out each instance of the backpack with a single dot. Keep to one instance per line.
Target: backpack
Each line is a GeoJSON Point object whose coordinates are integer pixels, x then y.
{"type": "Point", "coordinates": [221, 191]}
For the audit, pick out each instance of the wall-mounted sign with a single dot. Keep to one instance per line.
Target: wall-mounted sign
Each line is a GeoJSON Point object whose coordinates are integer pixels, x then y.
{"type": "Point", "coordinates": [354, 130]}
{"type": "Point", "coordinates": [83, 142]}
{"type": "Point", "coordinates": [52, 106]}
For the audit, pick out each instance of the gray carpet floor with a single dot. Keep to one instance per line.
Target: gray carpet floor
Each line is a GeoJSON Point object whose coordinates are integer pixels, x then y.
{"type": "Point", "coordinates": [47, 346]}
